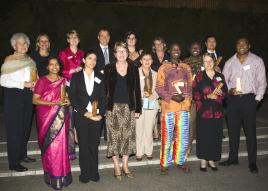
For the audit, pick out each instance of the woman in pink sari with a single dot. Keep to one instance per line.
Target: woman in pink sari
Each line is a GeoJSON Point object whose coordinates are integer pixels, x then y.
{"type": "Point", "coordinates": [53, 121]}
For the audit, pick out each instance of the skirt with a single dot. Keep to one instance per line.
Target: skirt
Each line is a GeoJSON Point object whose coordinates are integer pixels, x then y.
{"type": "Point", "coordinates": [121, 133]}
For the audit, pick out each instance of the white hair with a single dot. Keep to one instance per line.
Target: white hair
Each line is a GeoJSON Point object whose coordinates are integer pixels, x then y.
{"type": "Point", "coordinates": [16, 36]}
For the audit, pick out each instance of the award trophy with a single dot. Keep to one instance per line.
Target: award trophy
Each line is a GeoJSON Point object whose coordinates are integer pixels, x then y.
{"type": "Point", "coordinates": [148, 87]}
{"type": "Point", "coordinates": [218, 61]}
{"type": "Point", "coordinates": [218, 87]}
{"type": "Point", "coordinates": [94, 108]}
{"type": "Point", "coordinates": [33, 75]}
{"type": "Point", "coordinates": [62, 93]}
{"type": "Point", "coordinates": [238, 86]}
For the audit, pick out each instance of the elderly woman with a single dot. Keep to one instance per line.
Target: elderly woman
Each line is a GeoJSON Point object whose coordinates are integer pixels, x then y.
{"type": "Point", "coordinates": [18, 82]}
{"type": "Point", "coordinates": [123, 105]}
{"type": "Point", "coordinates": [146, 122]}
{"type": "Point", "coordinates": [209, 90]}
{"type": "Point", "coordinates": [53, 123]}
{"type": "Point", "coordinates": [134, 54]}
{"type": "Point", "coordinates": [41, 54]}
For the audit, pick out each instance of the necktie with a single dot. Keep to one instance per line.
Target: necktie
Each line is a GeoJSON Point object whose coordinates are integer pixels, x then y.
{"type": "Point", "coordinates": [106, 57]}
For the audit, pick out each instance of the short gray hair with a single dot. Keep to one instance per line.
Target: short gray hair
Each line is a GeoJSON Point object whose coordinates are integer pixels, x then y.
{"type": "Point", "coordinates": [16, 36]}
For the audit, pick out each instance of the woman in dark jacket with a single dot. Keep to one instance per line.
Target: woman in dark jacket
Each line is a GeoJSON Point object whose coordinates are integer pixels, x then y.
{"type": "Point", "coordinates": [88, 100]}
{"type": "Point", "coordinates": [123, 98]}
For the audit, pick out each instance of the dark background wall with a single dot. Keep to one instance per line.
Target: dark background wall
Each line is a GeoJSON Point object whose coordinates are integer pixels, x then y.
{"type": "Point", "coordinates": [174, 24]}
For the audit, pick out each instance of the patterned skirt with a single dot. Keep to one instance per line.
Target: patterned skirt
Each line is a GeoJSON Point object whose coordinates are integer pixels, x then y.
{"type": "Point", "coordinates": [121, 133]}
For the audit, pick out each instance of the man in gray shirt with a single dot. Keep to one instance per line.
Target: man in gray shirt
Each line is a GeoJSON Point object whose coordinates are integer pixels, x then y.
{"type": "Point", "coordinates": [246, 80]}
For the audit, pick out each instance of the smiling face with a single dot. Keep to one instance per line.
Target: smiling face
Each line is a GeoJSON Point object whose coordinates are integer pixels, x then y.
{"type": "Point", "coordinates": [21, 46]}
{"type": "Point", "coordinates": [242, 46]}
{"type": "Point", "coordinates": [53, 66]}
{"type": "Point", "coordinates": [104, 37]}
{"type": "Point", "coordinates": [131, 40]}
{"type": "Point", "coordinates": [43, 43]}
{"type": "Point", "coordinates": [146, 61]}
{"type": "Point", "coordinates": [208, 63]}
{"type": "Point", "coordinates": [121, 54]}
{"type": "Point", "coordinates": [175, 51]}
{"type": "Point", "coordinates": [90, 61]}
{"type": "Point", "coordinates": [73, 40]}
{"type": "Point", "coordinates": [159, 45]}
{"type": "Point", "coordinates": [195, 50]}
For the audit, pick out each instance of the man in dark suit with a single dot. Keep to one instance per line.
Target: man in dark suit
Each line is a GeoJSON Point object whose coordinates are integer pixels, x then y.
{"type": "Point", "coordinates": [105, 56]}
{"type": "Point", "coordinates": [104, 52]}
{"type": "Point", "coordinates": [211, 44]}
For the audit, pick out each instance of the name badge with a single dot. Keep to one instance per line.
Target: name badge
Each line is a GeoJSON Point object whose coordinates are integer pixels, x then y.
{"type": "Point", "coordinates": [180, 84]}
{"type": "Point", "coordinates": [69, 57]}
{"type": "Point", "coordinates": [247, 67]}
{"type": "Point", "coordinates": [218, 79]}
{"type": "Point", "coordinates": [97, 80]}
{"type": "Point", "coordinates": [102, 71]}
{"type": "Point", "coordinates": [202, 68]}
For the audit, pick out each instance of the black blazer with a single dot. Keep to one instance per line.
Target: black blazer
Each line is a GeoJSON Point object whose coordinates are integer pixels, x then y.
{"type": "Point", "coordinates": [133, 85]}
{"type": "Point", "coordinates": [79, 97]}
{"type": "Point", "coordinates": [100, 65]}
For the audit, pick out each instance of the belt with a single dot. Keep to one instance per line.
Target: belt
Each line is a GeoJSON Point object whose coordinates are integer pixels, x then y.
{"type": "Point", "coordinates": [243, 95]}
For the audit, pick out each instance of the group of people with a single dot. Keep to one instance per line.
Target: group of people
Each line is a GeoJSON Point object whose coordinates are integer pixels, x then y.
{"type": "Point", "coordinates": [122, 91]}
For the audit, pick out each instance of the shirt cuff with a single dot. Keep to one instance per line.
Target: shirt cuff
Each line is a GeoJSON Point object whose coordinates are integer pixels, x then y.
{"type": "Point", "coordinates": [258, 97]}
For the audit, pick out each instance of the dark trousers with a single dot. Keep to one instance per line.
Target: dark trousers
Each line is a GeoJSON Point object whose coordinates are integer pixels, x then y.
{"type": "Point", "coordinates": [103, 129]}
{"type": "Point", "coordinates": [18, 112]}
{"type": "Point", "coordinates": [89, 138]}
{"type": "Point", "coordinates": [241, 111]}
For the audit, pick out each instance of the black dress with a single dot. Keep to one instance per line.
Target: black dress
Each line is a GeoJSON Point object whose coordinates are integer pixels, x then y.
{"type": "Point", "coordinates": [41, 63]}
{"type": "Point", "coordinates": [209, 122]}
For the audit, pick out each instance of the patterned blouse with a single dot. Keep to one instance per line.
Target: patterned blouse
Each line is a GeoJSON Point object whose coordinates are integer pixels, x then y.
{"type": "Point", "coordinates": [202, 87]}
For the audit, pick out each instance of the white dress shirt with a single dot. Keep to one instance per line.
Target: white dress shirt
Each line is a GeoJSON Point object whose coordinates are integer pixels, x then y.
{"type": "Point", "coordinates": [16, 79]}
{"type": "Point", "coordinates": [89, 81]}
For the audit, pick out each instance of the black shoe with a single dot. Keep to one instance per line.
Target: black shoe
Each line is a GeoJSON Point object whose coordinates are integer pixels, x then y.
{"type": "Point", "coordinates": [18, 168]}
{"type": "Point", "coordinates": [229, 162]}
{"type": "Point", "coordinates": [253, 168]}
{"type": "Point", "coordinates": [214, 168]}
{"type": "Point", "coordinates": [28, 160]}
{"type": "Point", "coordinates": [203, 169]}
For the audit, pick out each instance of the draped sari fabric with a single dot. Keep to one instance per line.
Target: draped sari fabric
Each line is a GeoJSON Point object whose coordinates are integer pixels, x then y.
{"type": "Point", "coordinates": [53, 124]}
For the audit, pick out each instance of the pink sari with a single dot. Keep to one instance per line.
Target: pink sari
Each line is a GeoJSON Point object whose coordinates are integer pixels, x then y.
{"type": "Point", "coordinates": [53, 123]}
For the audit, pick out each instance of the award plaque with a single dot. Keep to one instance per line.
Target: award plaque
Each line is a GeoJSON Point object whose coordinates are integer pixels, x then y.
{"type": "Point", "coordinates": [218, 61]}
{"type": "Point", "coordinates": [33, 75]}
{"type": "Point", "coordinates": [94, 108]}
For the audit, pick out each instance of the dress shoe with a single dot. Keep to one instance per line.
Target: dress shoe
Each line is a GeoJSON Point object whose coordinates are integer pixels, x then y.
{"type": "Point", "coordinates": [253, 168]}
{"type": "Point", "coordinates": [213, 168]}
{"type": "Point", "coordinates": [184, 168]}
{"type": "Point", "coordinates": [18, 168]}
{"type": "Point", "coordinates": [28, 160]}
{"type": "Point", "coordinates": [149, 157]}
{"type": "Point", "coordinates": [164, 170]}
{"type": "Point", "coordinates": [203, 169]}
{"type": "Point", "coordinates": [139, 158]}
{"type": "Point", "coordinates": [128, 174]}
{"type": "Point", "coordinates": [118, 177]}
{"type": "Point", "coordinates": [229, 162]}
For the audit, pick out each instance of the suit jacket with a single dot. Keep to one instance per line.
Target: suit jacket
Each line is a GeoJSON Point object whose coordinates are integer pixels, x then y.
{"type": "Point", "coordinates": [100, 65]}
{"type": "Point", "coordinates": [133, 85]}
{"type": "Point", "coordinates": [79, 96]}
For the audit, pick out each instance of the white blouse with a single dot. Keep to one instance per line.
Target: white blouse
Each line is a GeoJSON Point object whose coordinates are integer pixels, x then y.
{"type": "Point", "coordinates": [16, 79]}
{"type": "Point", "coordinates": [89, 81]}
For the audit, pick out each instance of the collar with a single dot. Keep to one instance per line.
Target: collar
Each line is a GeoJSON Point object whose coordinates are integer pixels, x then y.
{"type": "Point", "coordinates": [102, 47]}
{"type": "Point", "coordinates": [209, 51]}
